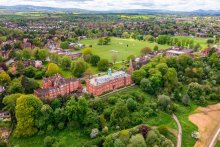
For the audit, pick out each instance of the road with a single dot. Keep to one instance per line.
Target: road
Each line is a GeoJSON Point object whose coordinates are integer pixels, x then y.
{"type": "Point", "coordinates": [215, 137]}
{"type": "Point", "coordinates": [179, 137]}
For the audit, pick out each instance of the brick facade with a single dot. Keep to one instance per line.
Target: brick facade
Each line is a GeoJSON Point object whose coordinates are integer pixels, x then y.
{"type": "Point", "coordinates": [57, 85]}
{"type": "Point", "coordinates": [98, 86]}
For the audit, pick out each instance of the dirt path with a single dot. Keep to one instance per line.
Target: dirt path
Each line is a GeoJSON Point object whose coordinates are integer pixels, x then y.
{"type": "Point", "coordinates": [207, 119]}
{"type": "Point", "coordinates": [179, 137]}
{"type": "Point", "coordinates": [215, 138]}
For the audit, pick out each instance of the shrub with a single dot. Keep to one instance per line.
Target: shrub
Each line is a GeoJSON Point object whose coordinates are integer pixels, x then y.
{"type": "Point", "coordinates": [50, 129]}
{"type": "Point", "coordinates": [94, 133]}
{"type": "Point", "coordinates": [95, 142]}
{"type": "Point", "coordinates": [137, 141]}
{"type": "Point", "coordinates": [105, 130]}
{"type": "Point", "coordinates": [131, 104]}
{"type": "Point", "coordinates": [124, 135]}
{"type": "Point", "coordinates": [119, 143]}
{"type": "Point", "coordinates": [49, 141]}
{"type": "Point", "coordinates": [61, 126]}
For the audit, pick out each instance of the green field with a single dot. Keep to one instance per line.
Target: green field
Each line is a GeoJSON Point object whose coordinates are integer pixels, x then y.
{"type": "Point", "coordinates": [120, 46]}
{"type": "Point", "coordinates": [201, 41]}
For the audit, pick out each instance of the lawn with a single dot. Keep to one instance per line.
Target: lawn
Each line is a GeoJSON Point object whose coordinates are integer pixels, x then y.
{"type": "Point", "coordinates": [71, 138]}
{"type": "Point", "coordinates": [119, 47]}
{"type": "Point", "coordinates": [187, 127]}
{"type": "Point", "coordinates": [201, 41]}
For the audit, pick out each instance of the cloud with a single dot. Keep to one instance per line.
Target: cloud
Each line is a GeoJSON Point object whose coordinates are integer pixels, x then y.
{"type": "Point", "coordinates": [180, 5]}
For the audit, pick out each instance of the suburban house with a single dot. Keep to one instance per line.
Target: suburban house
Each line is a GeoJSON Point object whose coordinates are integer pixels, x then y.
{"type": "Point", "coordinates": [57, 85]}
{"type": "Point", "coordinates": [110, 82]}
{"type": "Point", "coordinates": [5, 115]}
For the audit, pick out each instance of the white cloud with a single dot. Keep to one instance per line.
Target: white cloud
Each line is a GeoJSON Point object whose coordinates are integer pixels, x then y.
{"type": "Point", "coordinates": [180, 5]}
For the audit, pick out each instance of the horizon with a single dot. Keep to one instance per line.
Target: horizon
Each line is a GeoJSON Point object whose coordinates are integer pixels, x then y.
{"type": "Point", "coordinates": [109, 5]}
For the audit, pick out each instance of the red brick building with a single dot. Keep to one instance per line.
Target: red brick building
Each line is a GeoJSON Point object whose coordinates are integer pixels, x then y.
{"type": "Point", "coordinates": [99, 85]}
{"type": "Point", "coordinates": [57, 85]}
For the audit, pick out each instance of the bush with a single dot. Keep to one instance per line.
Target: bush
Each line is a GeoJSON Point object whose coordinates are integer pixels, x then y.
{"type": "Point", "coordinates": [131, 104]}
{"type": "Point", "coordinates": [39, 75]}
{"type": "Point", "coordinates": [137, 141]}
{"type": "Point", "coordinates": [95, 142]}
{"type": "Point", "coordinates": [50, 129]}
{"type": "Point", "coordinates": [49, 141]}
{"type": "Point", "coordinates": [61, 126]}
{"type": "Point", "coordinates": [94, 133]}
{"type": "Point", "coordinates": [124, 136]}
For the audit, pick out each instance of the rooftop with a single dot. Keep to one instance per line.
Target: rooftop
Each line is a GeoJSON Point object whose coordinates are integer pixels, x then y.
{"type": "Point", "coordinates": [103, 79]}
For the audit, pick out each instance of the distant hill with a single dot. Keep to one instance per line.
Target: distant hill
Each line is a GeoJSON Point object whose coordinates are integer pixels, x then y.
{"type": "Point", "coordinates": [30, 8]}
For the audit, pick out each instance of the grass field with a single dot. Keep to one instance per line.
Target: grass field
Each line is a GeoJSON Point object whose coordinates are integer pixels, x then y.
{"type": "Point", "coordinates": [119, 47]}
{"type": "Point", "coordinates": [70, 138]}
{"type": "Point", "coordinates": [201, 41]}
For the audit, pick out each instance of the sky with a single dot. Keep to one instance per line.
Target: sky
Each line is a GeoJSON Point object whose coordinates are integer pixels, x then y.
{"type": "Point", "coordinates": [179, 5]}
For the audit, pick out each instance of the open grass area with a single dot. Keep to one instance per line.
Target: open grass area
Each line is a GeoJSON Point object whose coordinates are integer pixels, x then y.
{"type": "Point", "coordinates": [119, 47]}
{"type": "Point", "coordinates": [187, 127]}
{"type": "Point", "coordinates": [201, 41]}
{"type": "Point", "coordinates": [70, 138]}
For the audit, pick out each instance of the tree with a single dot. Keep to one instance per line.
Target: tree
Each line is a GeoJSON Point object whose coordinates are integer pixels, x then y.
{"type": "Point", "coordinates": [37, 42]}
{"type": "Point", "coordinates": [103, 65]}
{"type": "Point", "coordinates": [66, 62]}
{"type": "Point", "coordinates": [131, 104]}
{"type": "Point", "coordinates": [10, 103]}
{"type": "Point", "coordinates": [146, 85]}
{"type": "Point", "coordinates": [156, 48]}
{"type": "Point", "coordinates": [145, 51]}
{"type": "Point", "coordinates": [52, 69]}
{"type": "Point", "coordinates": [195, 91]}
{"type": "Point", "coordinates": [27, 111]}
{"type": "Point", "coordinates": [94, 60]}
{"type": "Point", "coordinates": [30, 72]}
{"type": "Point", "coordinates": [91, 120]}
{"type": "Point", "coordinates": [1, 58]}
{"type": "Point", "coordinates": [45, 117]}
{"type": "Point", "coordinates": [119, 115]}
{"type": "Point", "coordinates": [170, 79]}
{"type": "Point", "coordinates": [16, 87]}
{"type": "Point", "coordinates": [164, 102]}
{"type": "Point", "coordinates": [78, 68]}
{"type": "Point", "coordinates": [64, 45]}
{"type": "Point", "coordinates": [26, 54]}
{"type": "Point", "coordinates": [29, 85]}
{"type": "Point", "coordinates": [101, 41]}
{"type": "Point", "coordinates": [20, 67]}
{"type": "Point", "coordinates": [125, 35]}
{"type": "Point", "coordinates": [42, 54]}
{"type": "Point", "coordinates": [76, 111]}
{"type": "Point", "coordinates": [86, 51]}
{"type": "Point", "coordinates": [131, 57]}
{"type": "Point", "coordinates": [4, 78]}
{"type": "Point", "coordinates": [137, 141]}
{"type": "Point", "coordinates": [162, 67]}
{"type": "Point", "coordinates": [138, 75]}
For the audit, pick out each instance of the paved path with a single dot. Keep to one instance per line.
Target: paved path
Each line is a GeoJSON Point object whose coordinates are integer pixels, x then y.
{"type": "Point", "coordinates": [215, 138]}
{"type": "Point", "coordinates": [179, 137]}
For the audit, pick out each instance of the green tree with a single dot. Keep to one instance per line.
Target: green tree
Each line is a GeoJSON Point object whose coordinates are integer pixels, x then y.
{"type": "Point", "coordinates": [20, 67]}
{"type": "Point", "coordinates": [66, 62]}
{"type": "Point", "coordinates": [164, 102]}
{"type": "Point", "coordinates": [29, 85]}
{"type": "Point", "coordinates": [137, 141]}
{"type": "Point", "coordinates": [10, 103]}
{"type": "Point", "coordinates": [138, 75]}
{"type": "Point", "coordinates": [119, 115]}
{"type": "Point", "coordinates": [4, 78]}
{"type": "Point", "coordinates": [131, 104]}
{"type": "Point", "coordinates": [195, 91]}
{"type": "Point", "coordinates": [78, 68]}
{"type": "Point", "coordinates": [94, 60]}
{"type": "Point", "coordinates": [64, 45]}
{"type": "Point", "coordinates": [16, 87]}
{"type": "Point", "coordinates": [103, 65]}
{"type": "Point", "coordinates": [52, 69]}
{"type": "Point", "coordinates": [145, 51]}
{"type": "Point", "coordinates": [26, 54]}
{"type": "Point", "coordinates": [30, 72]}
{"type": "Point", "coordinates": [42, 54]}
{"type": "Point", "coordinates": [27, 111]}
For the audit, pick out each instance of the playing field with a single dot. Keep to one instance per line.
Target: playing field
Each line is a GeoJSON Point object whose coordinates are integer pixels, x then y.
{"type": "Point", "coordinates": [121, 47]}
